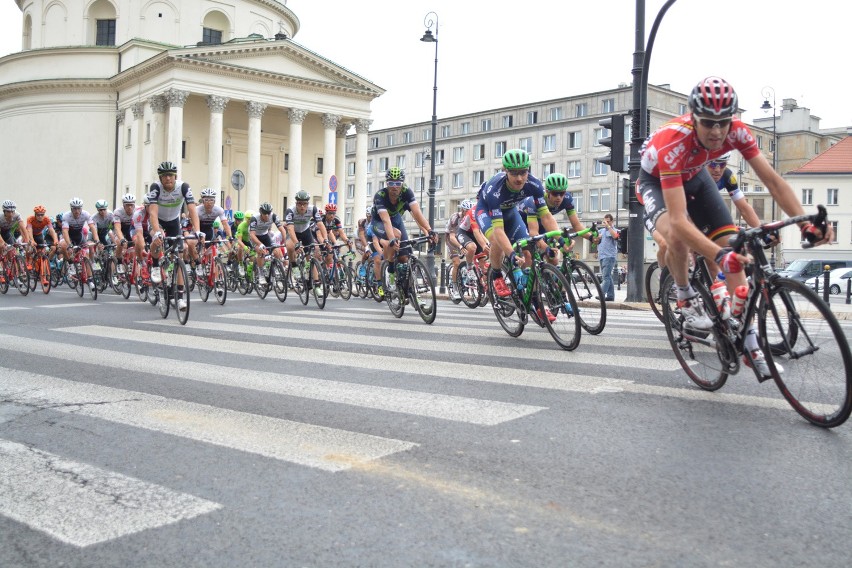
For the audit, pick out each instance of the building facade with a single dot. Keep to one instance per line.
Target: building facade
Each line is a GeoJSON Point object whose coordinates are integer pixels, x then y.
{"type": "Point", "coordinates": [104, 91]}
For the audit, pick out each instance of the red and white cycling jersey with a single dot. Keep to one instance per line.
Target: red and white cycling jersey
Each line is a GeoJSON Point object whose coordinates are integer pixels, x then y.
{"type": "Point", "coordinates": [674, 155]}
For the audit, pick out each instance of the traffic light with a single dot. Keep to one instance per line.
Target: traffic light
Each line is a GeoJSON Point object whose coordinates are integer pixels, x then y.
{"type": "Point", "coordinates": [615, 142]}
{"type": "Point", "coordinates": [622, 240]}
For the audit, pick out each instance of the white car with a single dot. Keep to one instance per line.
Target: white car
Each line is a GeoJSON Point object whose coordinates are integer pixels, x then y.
{"type": "Point", "coordinates": [837, 280]}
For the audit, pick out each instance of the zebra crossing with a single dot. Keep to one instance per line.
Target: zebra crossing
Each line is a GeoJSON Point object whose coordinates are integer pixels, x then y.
{"type": "Point", "coordinates": [352, 356]}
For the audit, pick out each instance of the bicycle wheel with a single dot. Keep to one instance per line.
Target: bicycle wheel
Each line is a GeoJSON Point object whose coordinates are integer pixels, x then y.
{"type": "Point", "coordinates": [99, 273]}
{"type": "Point", "coordinates": [261, 285]}
{"type": "Point", "coordinates": [470, 291]}
{"type": "Point", "coordinates": [301, 285]}
{"type": "Point", "coordinates": [56, 274]}
{"type": "Point", "coordinates": [332, 279]}
{"type": "Point", "coordinates": [359, 287]}
{"type": "Point", "coordinates": [422, 291]}
{"type": "Point", "coordinates": [220, 281]}
{"type": "Point", "coordinates": [554, 293]}
{"type": "Point", "coordinates": [162, 292]}
{"type": "Point", "coordinates": [346, 278]}
{"type": "Point", "coordinates": [278, 279]}
{"type": "Point", "coordinates": [21, 276]}
{"type": "Point", "coordinates": [203, 284]}
{"type": "Point", "coordinates": [393, 296]}
{"type": "Point", "coordinates": [817, 375]}
{"type": "Point", "coordinates": [4, 277]}
{"type": "Point", "coordinates": [32, 276]}
{"type": "Point", "coordinates": [320, 287]}
{"type": "Point", "coordinates": [91, 279]}
{"type": "Point", "coordinates": [653, 278]}
{"type": "Point", "coordinates": [113, 275]}
{"type": "Point", "coordinates": [454, 284]}
{"type": "Point", "coordinates": [590, 299]}
{"type": "Point", "coordinates": [192, 271]}
{"type": "Point", "coordinates": [181, 294]}
{"type": "Point", "coordinates": [510, 318]}
{"type": "Point", "coordinates": [44, 274]}
{"type": "Point", "coordinates": [705, 356]}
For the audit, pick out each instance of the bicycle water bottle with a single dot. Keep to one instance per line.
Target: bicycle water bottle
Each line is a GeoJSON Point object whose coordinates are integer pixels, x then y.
{"type": "Point", "coordinates": [721, 297]}
{"type": "Point", "coordinates": [739, 300]}
{"type": "Point", "coordinates": [520, 278]}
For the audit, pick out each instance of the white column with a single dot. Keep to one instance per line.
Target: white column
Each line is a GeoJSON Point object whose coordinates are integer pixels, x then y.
{"type": "Point", "coordinates": [297, 117]}
{"type": "Point", "coordinates": [119, 152]}
{"type": "Point", "coordinates": [362, 127]}
{"type": "Point", "coordinates": [255, 112]}
{"type": "Point", "coordinates": [340, 172]}
{"type": "Point", "coordinates": [158, 134]}
{"type": "Point", "coordinates": [139, 172]}
{"type": "Point", "coordinates": [329, 123]}
{"type": "Point", "coordinates": [214, 150]}
{"type": "Point", "coordinates": [176, 99]}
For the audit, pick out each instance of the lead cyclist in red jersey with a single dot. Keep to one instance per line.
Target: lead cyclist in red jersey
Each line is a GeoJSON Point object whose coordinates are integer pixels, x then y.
{"type": "Point", "coordinates": [682, 201]}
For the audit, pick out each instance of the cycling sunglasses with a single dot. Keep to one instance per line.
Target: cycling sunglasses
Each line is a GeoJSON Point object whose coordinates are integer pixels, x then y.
{"type": "Point", "coordinates": [394, 184]}
{"type": "Point", "coordinates": [715, 165]}
{"type": "Point", "coordinates": [711, 123]}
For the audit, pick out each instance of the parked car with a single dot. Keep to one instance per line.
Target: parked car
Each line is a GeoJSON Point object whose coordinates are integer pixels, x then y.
{"type": "Point", "coordinates": [837, 280]}
{"type": "Point", "coordinates": [802, 269]}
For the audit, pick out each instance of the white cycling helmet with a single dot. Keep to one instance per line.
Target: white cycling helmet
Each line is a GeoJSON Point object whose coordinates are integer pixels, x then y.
{"type": "Point", "coordinates": [76, 202]}
{"type": "Point", "coordinates": [9, 205]}
{"type": "Point", "coordinates": [208, 192]}
{"type": "Point", "coordinates": [129, 198]}
{"type": "Point", "coordinates": [466, 205]}
{"type": "Point", "coordinates": [724, 158]}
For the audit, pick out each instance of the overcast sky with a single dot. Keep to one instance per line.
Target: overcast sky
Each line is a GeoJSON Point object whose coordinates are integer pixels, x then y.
{"type": "Point", "coordinates": [502, 54]}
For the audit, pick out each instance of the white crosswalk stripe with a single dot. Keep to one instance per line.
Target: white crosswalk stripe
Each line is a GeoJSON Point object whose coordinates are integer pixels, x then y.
{"type": "Point", "coordinates": [82, 505]}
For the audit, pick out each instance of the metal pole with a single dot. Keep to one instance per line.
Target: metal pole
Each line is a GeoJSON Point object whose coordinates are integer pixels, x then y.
{"type": "Point", "coordinates": [430, 255]}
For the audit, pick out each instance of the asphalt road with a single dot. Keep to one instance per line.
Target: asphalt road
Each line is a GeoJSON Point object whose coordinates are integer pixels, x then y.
{"type": "Point", "coordinates": [275, 434]}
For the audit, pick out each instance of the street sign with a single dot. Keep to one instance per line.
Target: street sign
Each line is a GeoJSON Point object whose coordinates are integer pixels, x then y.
{"type": "Point", "coordinates": [228, 202]}
{"type": "Point", "coordinates": [332, 183]}
{"type": "Point", "coordinates": [238, 180]}
{"type": "Point", "coordinates": [332, 197]}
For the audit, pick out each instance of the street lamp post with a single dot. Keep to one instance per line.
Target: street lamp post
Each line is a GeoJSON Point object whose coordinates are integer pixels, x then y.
{"type": "Point", "coordinates": [766, 106]}
{"type": "Point", "coordinates": [428, 21]}
{"type": "Point", "coordinates": [424, 157]}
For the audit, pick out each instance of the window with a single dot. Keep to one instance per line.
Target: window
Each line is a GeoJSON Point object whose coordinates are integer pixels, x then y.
{"type": "Point", "coordinates": [834, 229]}
{"type": "Point", "coordinates": [744, 187]}
{"type": "Point", "coordinates": [507, 121]}
{"type": "Point", "coordinates": [605, 206]}
{"type": "Point", "coordinates": [626, 163]}
{"type": "Point", "coordinates": [758, 188]}
{"type": "Point", "coordinates": [369, 188]}
{"type": "Point", "coordinates": [619, 197]}
{"type": "Point", "coordinates": [400, 161]}
{"type": "Point", "coordinates": [319, 166]}
{"type": "Point", "coordinates": [582, 109]}
{"type": "Point", "coordinates": [744, 167]}
{"type": "Point", "coordinates": [549, 143]}
{"type": "Point", "coordinates": [486, 125]}
{"type": "Point", "coordinates": [183, 149]}
{"type": "Point", "coordinates": [601, 169]}
{"type": "Point", "coordinates": [105, 33]}
{"type": "Point", "coordinates": [525, 144]}
{"type": "Point", "coordinates": [465, 128]}
{"type": "Point", "coordinates": [478, 178]}
{"type": "Point", "coordinates": [383, 164]}
{"type": "Point", "coordinates": [439, 157]}
{"type": "Point", "coordinates": [390, 139]}
{"type": "Point", "coordinates": [608, 105]}
{"type": "Point", "coordinates": [439, 182]}
{"type": "Point", "coordinates": [370, 166]}
{"type": "Point", "coordinates": [594, 200]}
{"type": "Point", "coordinates": [599, 133]}
{"type": "Point", "coordinates": [575, 139]}
{"type": "Point", "coordinates": [458, 154]}
{"type": "Point", "coordinates": [574, 170]}
{"type": "Point", "coordinates": [499, 149]}
{"type": "Point", "coordinates": [807, 197]}
{"type": "Point", "coordinates": [446, 131]}
{"type": "Point", "coordinates": [816, 147]}
{"type": "Point", "coordinates": [350, 191]}
{"type": "Point", "coordinates": [681, 108]}
{"type": "Point", "coordinates": [760, 141]}
{"type": "Point", "coordinates": [419, 159]}
{"type": "Point", "coordinates": [442, 210]}
{"type": "Point", "coordinates": [287, 164]}
{"type": "Point", "coordinates": [458, 180]}
{"type": "Point", "coordinates": [427, 134]}
{"type": "Point", "coordinates": [547, 169]}
{"type": "Point", "coordinates": [347, 218]}
{"type": "Point", "coordinates": [578, 201]}
{"type": "Point", "coordinates": [374, 142]}
{"type": "Point", "coordinates": [479, 151]}
{"type": "Point", "coordinates": [532, 117]}
{"type": "Point", "coordinates": [554, 113]}
{"type": "Point", "coordinates": [407, 138]}
{"type": "Point", "coordinates": [831, 198]}
{"type": "Point", "coordinates": [211, 36]}
{"type": "Point", "coordinates": [420, 184]}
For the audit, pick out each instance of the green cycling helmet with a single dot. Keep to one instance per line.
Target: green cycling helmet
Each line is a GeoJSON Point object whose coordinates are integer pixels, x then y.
{"type": "Point", "coordinates": [556, 182]}
{"type": "Point", "coordinates": [302, 195]}
{"type": "Point", "coordinates": [516, 160]}
{"type": "Point", "coordinates": [395, 174]}
{"type": "Point", "coordinates": [239, 215]}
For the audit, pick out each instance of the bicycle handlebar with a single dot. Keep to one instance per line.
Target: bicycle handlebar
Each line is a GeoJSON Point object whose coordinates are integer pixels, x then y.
{"type": "Point", "coordinates": [738, 241]}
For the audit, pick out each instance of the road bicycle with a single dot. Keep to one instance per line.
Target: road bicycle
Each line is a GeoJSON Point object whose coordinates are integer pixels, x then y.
{"type": "Point", "coordinates": [39, 266]}
{"type": "Point", "coordinates": [172, 288]}
{"type": "Point", "coordinates": [14, 270]}
{"type": "Point", "coordinates": [103, 265]}
{"type": "Point", "coordinates": [471, 282]}
{"type": "Point", "coordinates": [212, 276]}
{"type": "Point", "coordinates": [545, 289]}
{"type": "Point", "coordinates": [337, 273]}
{"type": "Point", "coordinates": [306, 276]}
{"type": "Point", "coordinates": [367, 285]}
{"type": "Point", "coordinates": [796, 330]}
{"type": "Point", "coordinates": [273, 275]}
{"type": "Point", "coordinates": [81, 274]}
{"type": "Point", "coordinates": [585, 287]}
{"type": "Point", "coordinates": [410, 282]}
{"type": "Point", "coordinates": [654, 276]}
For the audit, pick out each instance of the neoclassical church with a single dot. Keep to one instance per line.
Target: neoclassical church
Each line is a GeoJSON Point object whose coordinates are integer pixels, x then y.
{"type": "Point", "coordinates": [104, 90]}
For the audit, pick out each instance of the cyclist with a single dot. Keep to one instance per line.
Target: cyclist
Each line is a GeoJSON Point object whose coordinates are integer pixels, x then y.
{"type": "Point", "coordinates": [104, 221]}
{"type": "Point", "coordinates": [301, 220]}
{"type": "Point", "coordinates": [73, 223]}
{"type": "Point", "coordinates": [470, 238]}
{"type": "Point", "coordinates": [141, 234]}
{"type": "Point", "coordinates": [389, 204]}
{"type": "Point", "coordinates": [363, 242]}
{"type": "Point", "coordinates": [498, 216]}
{"type": "Point", "coordinates": [259, 227]}
{"type": "Point", "coordinates": [122, 224]}
{"type": "Point", "coordinates": [168, 196]}
{"type": "Point", "coordinates": [454, 247]}
{"type": "Point", "coordinates": [40, 229]}
{"type": "Point", "coordinates": [209, 213]}
{"type": "Point", "coordinates": [557, 199]}
{"type": "Point", "coordinates": [241, 234]}
{"type": "Point", "coordinates": [10, 223]}
{"type": "Point", "coordinates": [727, 180]}
{"type": "Point", "coordinates": [679, 195]}
{"type": "Point", "coordinates": [334, 227]}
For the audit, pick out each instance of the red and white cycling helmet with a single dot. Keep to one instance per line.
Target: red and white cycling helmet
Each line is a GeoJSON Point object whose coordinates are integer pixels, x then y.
{"type": "Point", "coordinates": [713, 97]}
